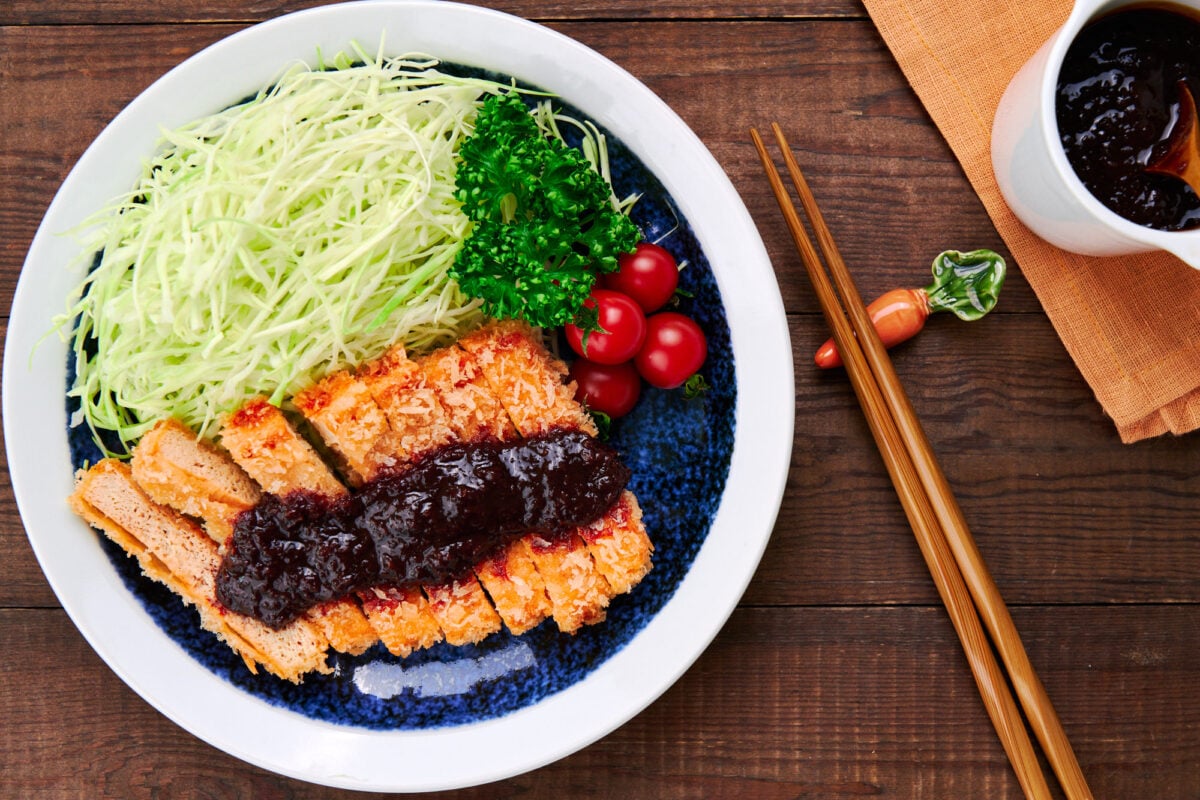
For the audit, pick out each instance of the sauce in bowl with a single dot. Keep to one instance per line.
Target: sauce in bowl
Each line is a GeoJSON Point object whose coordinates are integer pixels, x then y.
{"type": "Point", "coordinates": [1117, 97]}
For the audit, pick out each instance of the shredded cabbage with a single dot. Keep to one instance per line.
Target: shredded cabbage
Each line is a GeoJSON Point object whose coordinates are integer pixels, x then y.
{"type": "Point", "coordinates": [296, 233]}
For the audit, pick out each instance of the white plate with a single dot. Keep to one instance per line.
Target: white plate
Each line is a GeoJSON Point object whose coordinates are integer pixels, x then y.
{"type": "Point", "coordinates": [113, 618]}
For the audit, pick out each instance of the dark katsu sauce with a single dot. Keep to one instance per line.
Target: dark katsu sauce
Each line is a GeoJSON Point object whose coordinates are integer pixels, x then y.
{"type": "Point", "coordinates": [1117, 97]}
{"type": "Point", "coordinates": [427, 524]}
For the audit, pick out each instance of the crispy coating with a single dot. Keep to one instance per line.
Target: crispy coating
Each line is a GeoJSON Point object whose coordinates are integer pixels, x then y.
{"type": "Point", "coordinates": [527, 380]}
{"type": "Point", "coordinates": [530, 385]}
{"type": "Point", "coordinates": [268, 448]}
{"type": "Point", "coordinates": [344, 414]}
{"type": "Point", "coordinates": [460, 608]}
{"type": "Point", "coordinates": [402, 618]}
{"type": "Point", "coordinates": [401, 388]}
{"type": "Point", "coordinates": [619, 544]}
{"type": "Point", "coordinates": [516, 587]}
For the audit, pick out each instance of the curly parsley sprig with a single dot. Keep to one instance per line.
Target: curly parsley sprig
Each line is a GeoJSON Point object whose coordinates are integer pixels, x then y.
{"type": "Point", "coordinates": [544, 222]}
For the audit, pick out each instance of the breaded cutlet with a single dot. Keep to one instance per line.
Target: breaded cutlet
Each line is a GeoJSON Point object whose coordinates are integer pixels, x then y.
{"type": "Point", "coordinates": [179, 470]}
{"type": "Point", "coordinates": [261, 440]}
{"type": "Point", "coordinates": [533, 389]}
{"type": "Point", "coordinates": [173, 550]}
{"type": "Point", "coordinates": [363, 448]}
{"type": "Point", "coordinates": [497, 384]}
{"type": "Point", "coordinates": [517, 589]}
{"type": "Point", "coordinates": [460, 606]}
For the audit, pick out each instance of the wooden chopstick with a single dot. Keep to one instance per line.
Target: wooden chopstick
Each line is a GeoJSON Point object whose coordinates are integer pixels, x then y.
{"type": "Point", "coordinates": [990, 605]}
{"type": "Point", "coordinates": [958, 569]}
{"type": "Point", "coordinates": [989, 678]}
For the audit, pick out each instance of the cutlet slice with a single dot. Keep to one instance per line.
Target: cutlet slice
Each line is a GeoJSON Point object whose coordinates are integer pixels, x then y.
{"type": "Point", "coordinates": [345, 624]}
{"type": "Point", "coordinates": [346, 417]}
{"type": "Point", "coordinates": [528, 385]}
{"type": "Point", "coordinates": [473, 411]}
{"type": "Point", "coordinates": [578, 592]}
{"type": "Point", "coordinates": [619, 544]}
{"type": "Point", "coordinates": [461, 607]}
{"type": "Point", "coordinates": [402, 390]}
{"type": "Point", "coordinates": [516, 587]}
{"type": "Point", "coordinates": [173, 550]}
{"type": "Point", "coordinates": [531, 385]}
{"type": "Point", "coordinates": [264, 443]}
{"type": "Point", "coordinates": [528, 381]}
{"type": "Point", "coordinates": [463, 610]}
{"type": "Point", "coordinates": [402, 617]}
{"type": "Point", "coordinates": [178, 469]}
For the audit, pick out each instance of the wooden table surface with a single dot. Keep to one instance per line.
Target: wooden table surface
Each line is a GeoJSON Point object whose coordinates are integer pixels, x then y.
{"type": "Point", "coordinates": [838, 676]}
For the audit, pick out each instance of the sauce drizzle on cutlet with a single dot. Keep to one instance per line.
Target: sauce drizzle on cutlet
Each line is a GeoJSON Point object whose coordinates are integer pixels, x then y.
{"type": "Point", "coordinates": [425, 524]}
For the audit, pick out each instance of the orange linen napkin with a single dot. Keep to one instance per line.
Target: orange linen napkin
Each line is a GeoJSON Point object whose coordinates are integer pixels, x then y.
{"type": "Point", "coordinates": [1132, 324]}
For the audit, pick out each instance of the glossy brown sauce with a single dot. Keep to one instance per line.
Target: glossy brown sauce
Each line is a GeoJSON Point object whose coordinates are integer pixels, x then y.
{"type": "Point", "coordinates": [427, 524]}
{"type": "Point", "coordinates": [1117, 96]}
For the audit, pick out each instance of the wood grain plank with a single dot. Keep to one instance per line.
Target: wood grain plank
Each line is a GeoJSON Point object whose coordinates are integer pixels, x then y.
{"type": "Point", "coordinates": [838, 676]}
{"type": "Point", "coordinates": [892, 190]}
{"type": "Point", "coordinates": [1061, 509]}
{"type": "Point", "coordinates": [787, 703]}
{"type": "Point", "coordinates": [137, 12]}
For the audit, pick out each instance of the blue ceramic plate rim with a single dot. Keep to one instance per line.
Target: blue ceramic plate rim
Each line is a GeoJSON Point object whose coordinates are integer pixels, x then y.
{"type": "Point", "coordinates": [114, 621]}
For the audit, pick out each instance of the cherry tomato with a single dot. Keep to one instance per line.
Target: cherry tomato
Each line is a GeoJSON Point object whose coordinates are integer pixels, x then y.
{"type": "Point", "coordinates": [611, 389]}
{"type": "Point", "coordinates": [649, 275]}
{"type": "Point", "coordinates": [674, 350]}
{"type": "Point", "coordinates": [624, 322]}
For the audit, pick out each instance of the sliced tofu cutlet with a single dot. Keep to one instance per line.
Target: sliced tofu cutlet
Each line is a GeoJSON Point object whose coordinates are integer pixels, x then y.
{"type": "Point", "coordinates": [460, 607]}
{"type": "Point", "coordinates": [531, 385]}
{"type": "Point", "coordinates": [264, 444]}
{"type": "Point", "coordinates": [401, 389]}
{"type": "Point", "coordinates": [173, 550]}
{"type": "Point", "coordinates": [402, 618]}
{"type": "Point", "coordinates": [619, 544]}
{"type": "Point", "coordinates": [511, 577]}
{"type": "Point", "coordinates": [342, 411]}
{"type": "Point", "coordinates": [178, 469]}
{"type": "Point", "coordinates": [496, 384]}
